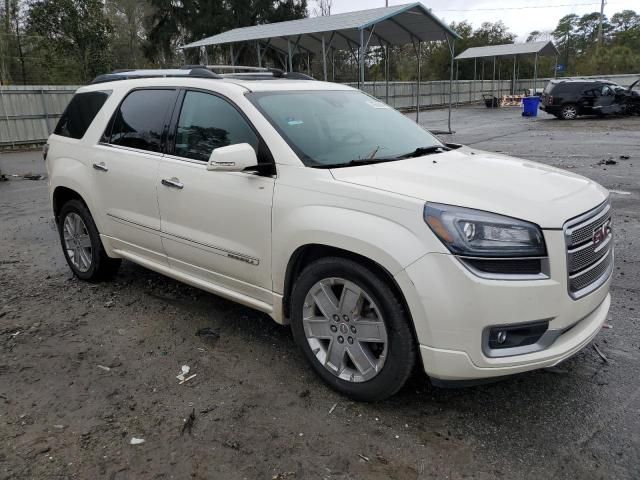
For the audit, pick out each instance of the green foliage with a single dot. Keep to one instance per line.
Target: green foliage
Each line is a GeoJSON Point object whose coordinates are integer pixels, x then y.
{"type": "Point", "coordinates": [577, 40]}
{"type": "Point", "coordinates": [175, 23]}
{"type": "Point", "coordinates": [74, 30]}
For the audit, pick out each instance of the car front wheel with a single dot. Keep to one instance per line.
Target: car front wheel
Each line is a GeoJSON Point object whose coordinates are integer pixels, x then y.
{"type": "Point", "coordinates": [353, 329]}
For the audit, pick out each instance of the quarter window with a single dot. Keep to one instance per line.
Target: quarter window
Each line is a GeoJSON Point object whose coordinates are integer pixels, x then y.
{"type": "Point", "coordinates": [140, 120]}
{"type": "Point", "coordinates": [208, 122]}
{"type": "Point", "coordinates": [79, 114]}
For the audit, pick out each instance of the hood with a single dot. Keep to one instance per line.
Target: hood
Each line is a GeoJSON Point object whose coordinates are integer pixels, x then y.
{"type": "Point", "coordinates": [486, 181]}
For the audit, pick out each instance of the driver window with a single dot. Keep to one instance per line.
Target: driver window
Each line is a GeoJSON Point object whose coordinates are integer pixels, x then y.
{"type": "Point", "coordinates": [606, 91]}
{"type": "Point", "coordinates": [208, 122]}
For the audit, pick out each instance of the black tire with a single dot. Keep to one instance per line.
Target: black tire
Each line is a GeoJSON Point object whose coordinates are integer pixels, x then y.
{"type": "Point", "coordinates": [401, 343]}
{"type": "Point", "coordinates": [102, 267]}
{"type": "Point", "coordinates": [569, 111]}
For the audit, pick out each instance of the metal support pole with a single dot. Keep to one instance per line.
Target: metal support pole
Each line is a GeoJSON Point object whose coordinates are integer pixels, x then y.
{"type": "Point", "coordinates": [452, 51]}
{"type": "Point", "coordinates": [361, 61]}
{"type": "Point", "coordinates": [535, 75]}
{"type": "Point", "coordinates": [493, 83]}
{"type": "Point", "coordinates": [259, 56]}
{"type": "Point", "coordinates": [324, 59]}
{"type": "Point", "coordinates": [555, 68]}
{"type": "Point", "coordinates": [457, 82]}
{"type": "Point", "coordinates": [475, 68]}
{"type": "Point", "coordinates": [513, 88]}
{"type": "Point", "coordinates": [233, 60]}
{"type": "Point", "coordinates": [333, 65]}
{"type": "Point", "coordinates": [290, 61]}
{"type": "Point", "coordinates": [386, 73]}
{"type": "Point", "coordinates": [308, 64]}
{"type": "Point", "coordinates": [418, 82]}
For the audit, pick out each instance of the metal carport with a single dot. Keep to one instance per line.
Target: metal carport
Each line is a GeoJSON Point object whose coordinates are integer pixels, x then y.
{"type": "Point", "coordinates": [510, 50]}
{"type": "Point", "coordinates": [353, 31]}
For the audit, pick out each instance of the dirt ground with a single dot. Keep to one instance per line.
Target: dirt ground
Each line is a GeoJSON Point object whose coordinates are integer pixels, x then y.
{"type": "Point", "coordinates": [85, 368]}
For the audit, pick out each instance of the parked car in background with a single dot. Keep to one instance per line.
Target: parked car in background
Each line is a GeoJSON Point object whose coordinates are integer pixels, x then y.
{"type": "Point", "coordinates": [383, 247]}
{"type": "Point", "coordinates": [569, 98]}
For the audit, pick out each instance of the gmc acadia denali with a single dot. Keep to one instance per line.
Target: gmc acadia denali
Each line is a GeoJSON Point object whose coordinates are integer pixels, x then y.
{"type": "Point", "coordinates": [323, 207]}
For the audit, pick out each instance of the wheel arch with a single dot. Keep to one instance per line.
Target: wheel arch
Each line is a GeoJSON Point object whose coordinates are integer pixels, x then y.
{"type": "Point", "coordinates": [306, 254]}
{"type": "Point", "coordinates": [62, 195]}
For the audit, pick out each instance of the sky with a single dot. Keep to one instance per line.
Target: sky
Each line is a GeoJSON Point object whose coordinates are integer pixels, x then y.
{"type": "Point", "coordinates": [521, 16]}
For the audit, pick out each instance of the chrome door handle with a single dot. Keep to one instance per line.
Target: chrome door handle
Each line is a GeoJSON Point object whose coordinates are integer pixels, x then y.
{"type": "Point", "coordinates": [100, 166]}
{"type": "Point", "coordinates": [173, 183]}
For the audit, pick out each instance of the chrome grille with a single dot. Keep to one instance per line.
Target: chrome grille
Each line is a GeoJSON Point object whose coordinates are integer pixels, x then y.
{"type": "Point", "coordinates": [589, 264]}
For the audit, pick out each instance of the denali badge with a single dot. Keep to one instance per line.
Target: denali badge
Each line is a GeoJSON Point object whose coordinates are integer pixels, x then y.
{"type": "Point", "coordinates": [601, 233]}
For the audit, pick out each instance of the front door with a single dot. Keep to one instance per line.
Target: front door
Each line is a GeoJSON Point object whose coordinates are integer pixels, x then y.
{"type": "Point", "coordinates": [126, 168]}
{"type": "Point", "coordinates": [215, 225]}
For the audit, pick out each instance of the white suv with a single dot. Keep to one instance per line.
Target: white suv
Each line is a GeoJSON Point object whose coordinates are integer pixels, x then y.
{"type": "Point", "coordinates": [326, 209]}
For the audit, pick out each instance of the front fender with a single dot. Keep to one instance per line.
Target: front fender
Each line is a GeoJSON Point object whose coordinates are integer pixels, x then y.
{"type": "Point", "coordinates": [384, 241]}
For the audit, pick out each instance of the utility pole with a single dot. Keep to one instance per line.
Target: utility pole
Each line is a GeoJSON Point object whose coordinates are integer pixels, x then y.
{"type": "Point", "coordinates": [602, 4]}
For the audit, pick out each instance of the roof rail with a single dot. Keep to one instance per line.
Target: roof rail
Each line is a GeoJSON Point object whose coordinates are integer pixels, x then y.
{"type": "Point", "coordinates": [198, 71]}
{"type": "Point", "coordinates": [254, 73]}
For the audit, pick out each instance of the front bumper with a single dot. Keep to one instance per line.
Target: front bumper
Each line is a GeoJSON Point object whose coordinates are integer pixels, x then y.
{"type": "Point", "coordinates": [451, 307]}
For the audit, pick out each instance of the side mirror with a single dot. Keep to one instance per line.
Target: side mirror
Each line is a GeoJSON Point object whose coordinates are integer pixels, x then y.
{"type": "Point", "coordinates": [233, 158]}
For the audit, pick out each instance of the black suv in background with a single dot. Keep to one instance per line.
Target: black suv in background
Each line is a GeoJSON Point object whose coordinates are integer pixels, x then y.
{"type": "Point", "coordinates": [566, 99]}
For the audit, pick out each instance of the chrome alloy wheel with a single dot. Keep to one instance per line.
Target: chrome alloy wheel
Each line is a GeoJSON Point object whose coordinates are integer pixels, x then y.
{"type": "Point", "coordinates": [569, 112]}
{"type": "Point", "coordinates": [345, 329]}
{"type": "Point", "coordinates": [77, 242]}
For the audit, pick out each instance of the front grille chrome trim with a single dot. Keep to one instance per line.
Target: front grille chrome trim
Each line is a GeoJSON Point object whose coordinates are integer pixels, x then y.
{"type": "Point", "coordinates": [588, 266]}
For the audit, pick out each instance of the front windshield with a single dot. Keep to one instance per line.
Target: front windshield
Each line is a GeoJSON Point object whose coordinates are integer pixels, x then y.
{"type": "Point", "coordinates": [338, 128]}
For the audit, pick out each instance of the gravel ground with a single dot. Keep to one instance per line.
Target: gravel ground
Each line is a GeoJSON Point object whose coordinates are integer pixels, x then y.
{"type": "Point", "coordinates": [85, 368]}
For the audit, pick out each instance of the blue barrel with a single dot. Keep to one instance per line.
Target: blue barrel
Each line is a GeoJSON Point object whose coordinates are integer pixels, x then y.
{"type": "Point", "coordinates": [530, 105]}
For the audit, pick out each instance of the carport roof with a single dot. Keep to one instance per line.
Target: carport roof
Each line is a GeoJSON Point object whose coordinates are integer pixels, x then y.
{"type": "Point", "coordinates": [544, 48]}
{"type": "Point", "coordinates": [396, 25]}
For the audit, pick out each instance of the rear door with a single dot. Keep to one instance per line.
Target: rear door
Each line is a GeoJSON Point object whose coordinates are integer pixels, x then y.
{"type": "Point", "coordinates": [216, 225]}
{"type": "Point", "coordinates": [125, 168]}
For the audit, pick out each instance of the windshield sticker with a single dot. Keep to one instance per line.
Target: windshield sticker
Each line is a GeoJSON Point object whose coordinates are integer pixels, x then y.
{"type": "Point", "coordinates": [375, 104]}
{"type": "Point", "coordinates": [293, 121]}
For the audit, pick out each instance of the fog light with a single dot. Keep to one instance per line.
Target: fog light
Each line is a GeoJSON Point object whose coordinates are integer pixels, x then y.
{"type": "Point", "coordinates": [518, 335]}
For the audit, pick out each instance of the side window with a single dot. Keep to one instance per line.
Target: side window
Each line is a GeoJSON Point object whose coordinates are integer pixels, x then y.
{"type": "Point", "coordinates": [606, 91]}
{"type": "Point", "coordinates": [208, 122]}
{"type": "Point", "coordinates": [140, 119]}
{"type": "Point", "coordinates": [79, 114]}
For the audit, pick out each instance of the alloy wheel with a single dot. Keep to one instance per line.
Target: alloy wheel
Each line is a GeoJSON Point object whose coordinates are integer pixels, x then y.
{"type": "Point", "coordinates": [345, 329]}
{"type": "Point", "coordinates": [77, 242]}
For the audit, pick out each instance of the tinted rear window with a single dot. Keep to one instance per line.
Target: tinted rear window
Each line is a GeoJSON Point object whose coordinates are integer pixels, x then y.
{"type": "Point", "coordinates": [79, 114]}
{"type": "Point", "coordinates": [140, 119]}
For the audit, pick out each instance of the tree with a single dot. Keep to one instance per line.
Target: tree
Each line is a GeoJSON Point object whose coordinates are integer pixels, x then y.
{"type": "Point", "coordinates": [74, 28]}
{"type": "Point", "coordinates": [175, 23]}
{"type": "Point", "coordinates": [323, 8]}
{"type": "Point", "coordinates": [127, 18]}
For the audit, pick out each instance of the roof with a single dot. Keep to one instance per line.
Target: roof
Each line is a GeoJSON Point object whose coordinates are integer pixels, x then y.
{"type": "Point", "coordinates": [544, 48]}
{"type": "Point", "coordinates": [396, 25]}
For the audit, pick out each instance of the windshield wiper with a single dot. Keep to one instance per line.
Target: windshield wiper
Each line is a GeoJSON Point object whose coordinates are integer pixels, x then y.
{"type": "Point", "coordinates": [420, 151]}
{"type": "Point", "coordinates": [353, 163]}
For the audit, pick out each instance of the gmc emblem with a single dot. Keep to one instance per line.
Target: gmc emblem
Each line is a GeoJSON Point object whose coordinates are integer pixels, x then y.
{"type": "Point", "coordinates": [601, 233]}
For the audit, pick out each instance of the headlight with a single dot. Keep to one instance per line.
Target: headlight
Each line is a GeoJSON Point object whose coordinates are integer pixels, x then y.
{"type": "Point", "coordinates": [475, 233]}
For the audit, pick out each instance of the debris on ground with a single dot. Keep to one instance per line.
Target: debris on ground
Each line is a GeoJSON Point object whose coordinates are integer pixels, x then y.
{"type": "Point", "coordinates": [102, 367]}
{"type": "Point", "coordinates": [188, 423]}
{"type": "Point", "coordinates": [624, 157]}
{"type": "Point", "coordinates": [608, 161]}
{"type": "Point", "coordinates": [381, 459]}
{"type": "Point", "coordinates": [209, 335]}
{"type": "Point", "coordinates": [333, 408]}
{"type": "Point", "coordinates": [366, 459]}
{"type": "Point", "coordinates": [32, 176]}
{"type": "Point", "coordinates": [108, 304]}
{"type": "Point", "coordinates": [283, 476]}
{"type": "Point", "coordinates": [602, 355]}
{"type": "Point", "coordinates": [136, 441]}
{"type": "Point", "coordinates": [3, 178]}
{"type": "Point", "coordinates": [185, 370]}
{"type": "Point", "coordinates": [232, 444]}
{"type": "Point", "coordinates": [608, 326]}
{"type": "Point", "coordinates": [304, 393]}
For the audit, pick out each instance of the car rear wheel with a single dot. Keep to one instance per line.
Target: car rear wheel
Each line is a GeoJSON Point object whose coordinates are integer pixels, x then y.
{"type": "Point", "coordinates": [81, 243]}
{"type": "Point", "coordinates": [569, 112]}
{"type": "Point", "coordinates": [352, 329]}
